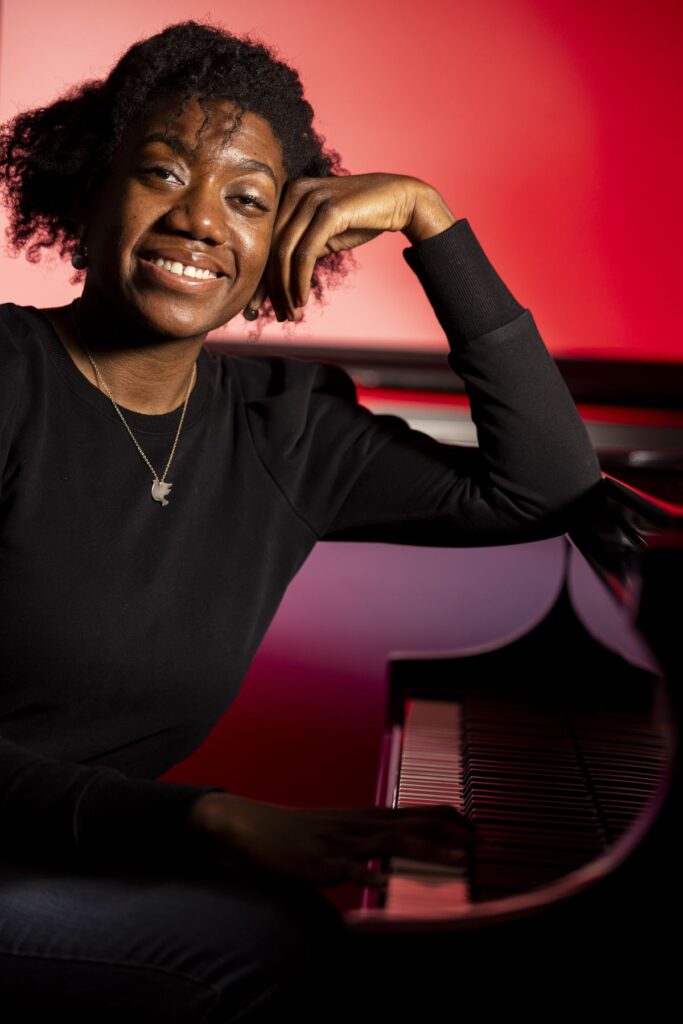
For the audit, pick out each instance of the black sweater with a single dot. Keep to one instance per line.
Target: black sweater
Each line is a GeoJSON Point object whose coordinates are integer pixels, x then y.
{"type": "Point", "coordinates": [126, 627]}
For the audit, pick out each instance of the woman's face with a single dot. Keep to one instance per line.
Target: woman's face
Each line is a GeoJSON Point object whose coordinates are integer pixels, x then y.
{"type": "Point", "coordinates": [211, 208]}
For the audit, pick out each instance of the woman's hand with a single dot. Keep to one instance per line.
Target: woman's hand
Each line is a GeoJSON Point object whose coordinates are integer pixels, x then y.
{"type": "Point", "coordinates": [319, 216]}
{"type": "Point", "coordinates": [327, 846]}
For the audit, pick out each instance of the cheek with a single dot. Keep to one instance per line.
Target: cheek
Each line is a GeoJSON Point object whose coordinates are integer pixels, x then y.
{"type": "Point", "coordinates": [254, 247]}
{"type": "Point", "coordinates": [119, 228]}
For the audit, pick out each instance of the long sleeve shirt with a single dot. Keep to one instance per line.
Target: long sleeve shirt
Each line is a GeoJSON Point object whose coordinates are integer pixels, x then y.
{"type": "Point", "coordinates": [126, 628]}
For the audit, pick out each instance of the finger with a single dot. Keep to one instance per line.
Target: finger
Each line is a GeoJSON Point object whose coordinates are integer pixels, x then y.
{"type": "Point", "coordinates": [440, 818]}
{"type": "Point", "coordinates": [296, 193]}
{"type": "Point", "coordinates": [367, 816]}
{"type": "Point", "coordinates": [280, 260]}
{"type": "Point", "coordinates": [413, 847]}
{"type": "Point", "coordinates": [359, 874]}
{"type": "Point", "coordinates": [417, 839]}
{"type": "Point", "coordinates": [441, 833]}
{"type": "Point", "coordinates": [445, 819]}
{"type": "Point", "coordinates": [259, 296]}
{"type": "Point", "coordinates": [327, 220]}
{"type": "Point", "coordinates": [444, 812]}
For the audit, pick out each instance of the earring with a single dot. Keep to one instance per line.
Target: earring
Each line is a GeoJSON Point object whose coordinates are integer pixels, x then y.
{"type": "Point", "coordinates": [79, 260]}
{"type": "Point", "coordinates": [250, 313]}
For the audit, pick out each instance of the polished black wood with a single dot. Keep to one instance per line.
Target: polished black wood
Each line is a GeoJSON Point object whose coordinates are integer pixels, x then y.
{"type": "Point", "coordinates": [605, 381]}
{"type": "Point", "coordinates": [593, 914]}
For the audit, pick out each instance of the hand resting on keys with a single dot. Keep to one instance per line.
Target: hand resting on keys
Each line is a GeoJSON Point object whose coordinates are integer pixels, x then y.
{"type": "Point", "coordinates": [327, 846]}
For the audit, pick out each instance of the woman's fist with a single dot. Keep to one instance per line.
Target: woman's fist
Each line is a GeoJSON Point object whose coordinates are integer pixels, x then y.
{"type": "Point", "coordinates": [319, 216]}
{"type": "Point", "coordinates": [327, 847]}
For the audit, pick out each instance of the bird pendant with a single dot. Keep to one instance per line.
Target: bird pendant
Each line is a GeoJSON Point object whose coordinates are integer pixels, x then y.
{"type": "Point", "coordinates": [160, 491]}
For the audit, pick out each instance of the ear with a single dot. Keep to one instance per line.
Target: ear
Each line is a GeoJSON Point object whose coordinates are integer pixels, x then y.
{"type": "Point", "coordinates": [259, 296]}
{"type": "Point", "coordinates": [79, 213]}
{"type": "Point", "coordinates": [84, 194]}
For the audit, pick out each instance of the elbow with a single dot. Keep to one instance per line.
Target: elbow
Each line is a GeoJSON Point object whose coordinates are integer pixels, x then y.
{"type": "Point", "coordinates": [585, 504]}
{"type": "Point", "coordinates": [571, 488]}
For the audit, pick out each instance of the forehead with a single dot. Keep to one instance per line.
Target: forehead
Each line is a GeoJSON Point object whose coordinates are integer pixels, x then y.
{"type": "Point", "coordinates": [219, 139]}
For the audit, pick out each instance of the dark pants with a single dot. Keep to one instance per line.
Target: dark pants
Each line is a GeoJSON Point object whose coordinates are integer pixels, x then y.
{"type": "Point", "coordinates": [192, 946]}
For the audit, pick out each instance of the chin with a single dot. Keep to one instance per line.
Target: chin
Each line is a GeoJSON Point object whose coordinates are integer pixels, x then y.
{"type": "Point", "coordinates": [170, 319]}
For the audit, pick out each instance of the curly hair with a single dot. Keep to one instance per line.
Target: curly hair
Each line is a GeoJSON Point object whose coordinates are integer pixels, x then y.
{"type": "Point", "coordinates": [50, 155]}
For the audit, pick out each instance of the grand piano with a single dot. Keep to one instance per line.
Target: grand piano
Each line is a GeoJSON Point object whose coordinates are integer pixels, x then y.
{"type": "Point", "coordinates": [561, 747]}
{"type": "Point", "coordinates": [566, 757]}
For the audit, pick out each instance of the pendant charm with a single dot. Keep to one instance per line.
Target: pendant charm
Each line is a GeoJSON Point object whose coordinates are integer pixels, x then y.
{"type": "Point", "coordinates": [159, 491]}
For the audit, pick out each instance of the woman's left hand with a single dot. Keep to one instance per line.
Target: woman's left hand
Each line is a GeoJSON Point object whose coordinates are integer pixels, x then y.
{"type": "Point", "coordinates": [318, 216]}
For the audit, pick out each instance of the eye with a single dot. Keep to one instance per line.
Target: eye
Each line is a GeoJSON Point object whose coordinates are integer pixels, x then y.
{"type": "Point", "coordinates": [163, 170]}
{"type": "Point", "coordinates": [248, 199]}
{"type": "Point", "coordinates": [251, 200]}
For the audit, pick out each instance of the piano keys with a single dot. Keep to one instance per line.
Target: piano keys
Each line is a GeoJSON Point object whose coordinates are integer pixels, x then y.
{"type": "Point", "coordinates": [550, 774]}
{"type": "Point", "coordinates": [566, 757]}
{"type": "Point", "coordinates": [560, 751]}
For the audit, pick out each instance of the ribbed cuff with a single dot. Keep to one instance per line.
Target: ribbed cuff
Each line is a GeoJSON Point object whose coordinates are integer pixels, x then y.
{"type": "Point", "coordinates": [122, 822]}
{"type": "Point", "coordinates": [468, 296]}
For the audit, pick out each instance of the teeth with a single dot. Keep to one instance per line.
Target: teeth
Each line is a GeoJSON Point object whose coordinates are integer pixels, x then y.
{"type": "Point", "coordinates": [176, 267]}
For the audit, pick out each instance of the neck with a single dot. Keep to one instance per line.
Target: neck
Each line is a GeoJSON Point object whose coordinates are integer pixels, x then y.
{"type": "Point", "coordinates": [151, 377]}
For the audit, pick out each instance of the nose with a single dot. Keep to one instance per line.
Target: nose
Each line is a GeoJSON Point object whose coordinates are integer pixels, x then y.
{"type": "Point", "coordinates": [201, 213]}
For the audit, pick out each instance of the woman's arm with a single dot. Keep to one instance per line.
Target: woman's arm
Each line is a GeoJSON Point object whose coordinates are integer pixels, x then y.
{"type": "Point", "coordinates": [59, 813]}
{"type": "Point", "coordinates": [354, 475]}
{"type": "Point", "coordinates": [534, 470]}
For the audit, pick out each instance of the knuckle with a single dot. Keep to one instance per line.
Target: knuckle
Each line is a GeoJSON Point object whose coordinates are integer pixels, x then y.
{"type": "Point", "coordinates": [450, 812]}
{"type": "Point", "coordinates": [373, 844]}
{"type": "Point", "coordinates": [326, 207]}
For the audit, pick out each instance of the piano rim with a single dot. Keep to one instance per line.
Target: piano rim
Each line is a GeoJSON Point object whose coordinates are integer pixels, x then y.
{"type": "Point", "coordinates": [524, 904]}
{"type": "Point", "coordinates": [536, 900]}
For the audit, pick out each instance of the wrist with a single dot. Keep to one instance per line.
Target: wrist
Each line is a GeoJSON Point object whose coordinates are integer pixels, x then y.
{"type": "Point", "coordinates": [430, 215]}
{"type": "Point", "coordinates": [203, 815]}
{"type": "Point", "coordinates": [219, 819]}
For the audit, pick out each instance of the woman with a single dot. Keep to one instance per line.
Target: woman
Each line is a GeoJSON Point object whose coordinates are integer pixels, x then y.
{"type": "Point", "coordinates": [157, 501]}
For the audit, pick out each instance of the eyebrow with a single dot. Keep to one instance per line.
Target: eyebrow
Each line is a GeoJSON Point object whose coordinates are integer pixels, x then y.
{"type": "Point", "coordinates": [177, 144]}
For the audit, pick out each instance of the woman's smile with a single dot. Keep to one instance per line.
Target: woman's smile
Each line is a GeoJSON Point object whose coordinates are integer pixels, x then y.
{"type": "Point", "coordinates": [177, 276]}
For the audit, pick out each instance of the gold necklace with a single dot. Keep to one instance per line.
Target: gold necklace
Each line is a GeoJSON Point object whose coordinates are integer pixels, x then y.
{"type": "Point", "coordinates": [160, 488]}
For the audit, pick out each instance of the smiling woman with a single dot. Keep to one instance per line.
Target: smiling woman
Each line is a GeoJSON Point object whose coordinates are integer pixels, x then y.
{"type": "Point", "coordinates": [50, 156]}
{"type": "Point", "coordinates": [186, 187]}
{"type": "Point", "coordinates": [173, 157]}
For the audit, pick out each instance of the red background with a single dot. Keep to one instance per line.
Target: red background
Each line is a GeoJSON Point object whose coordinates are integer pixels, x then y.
{"type": "Point", "coordinates": [553, 127]}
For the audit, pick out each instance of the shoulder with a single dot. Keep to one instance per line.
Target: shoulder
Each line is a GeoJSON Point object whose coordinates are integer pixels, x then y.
{"type": "Point", "coordinates": [285, 379]}
{"type": "Point", "coordinates": [14, 322]}
{"type": "Point", "coordinates": [15, 334]}
{"type": "Point", "coordinates": [295, 407]}
{"type": "Point", "coordinates": [15, 343]}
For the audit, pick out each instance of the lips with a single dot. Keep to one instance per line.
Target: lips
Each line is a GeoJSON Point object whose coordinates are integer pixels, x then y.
{"type": "Point", "coordinates": [184, 256]}
{"type": "Point", "coordinates": [181, 283]}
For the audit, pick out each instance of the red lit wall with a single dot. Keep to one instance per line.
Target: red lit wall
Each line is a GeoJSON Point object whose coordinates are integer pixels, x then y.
{"type": "Point", "coordinates": [551, 126]}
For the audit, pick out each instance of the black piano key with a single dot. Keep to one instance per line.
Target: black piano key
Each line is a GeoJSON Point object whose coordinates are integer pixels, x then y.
{"type": "Point", "coordinates": [547, 786]}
